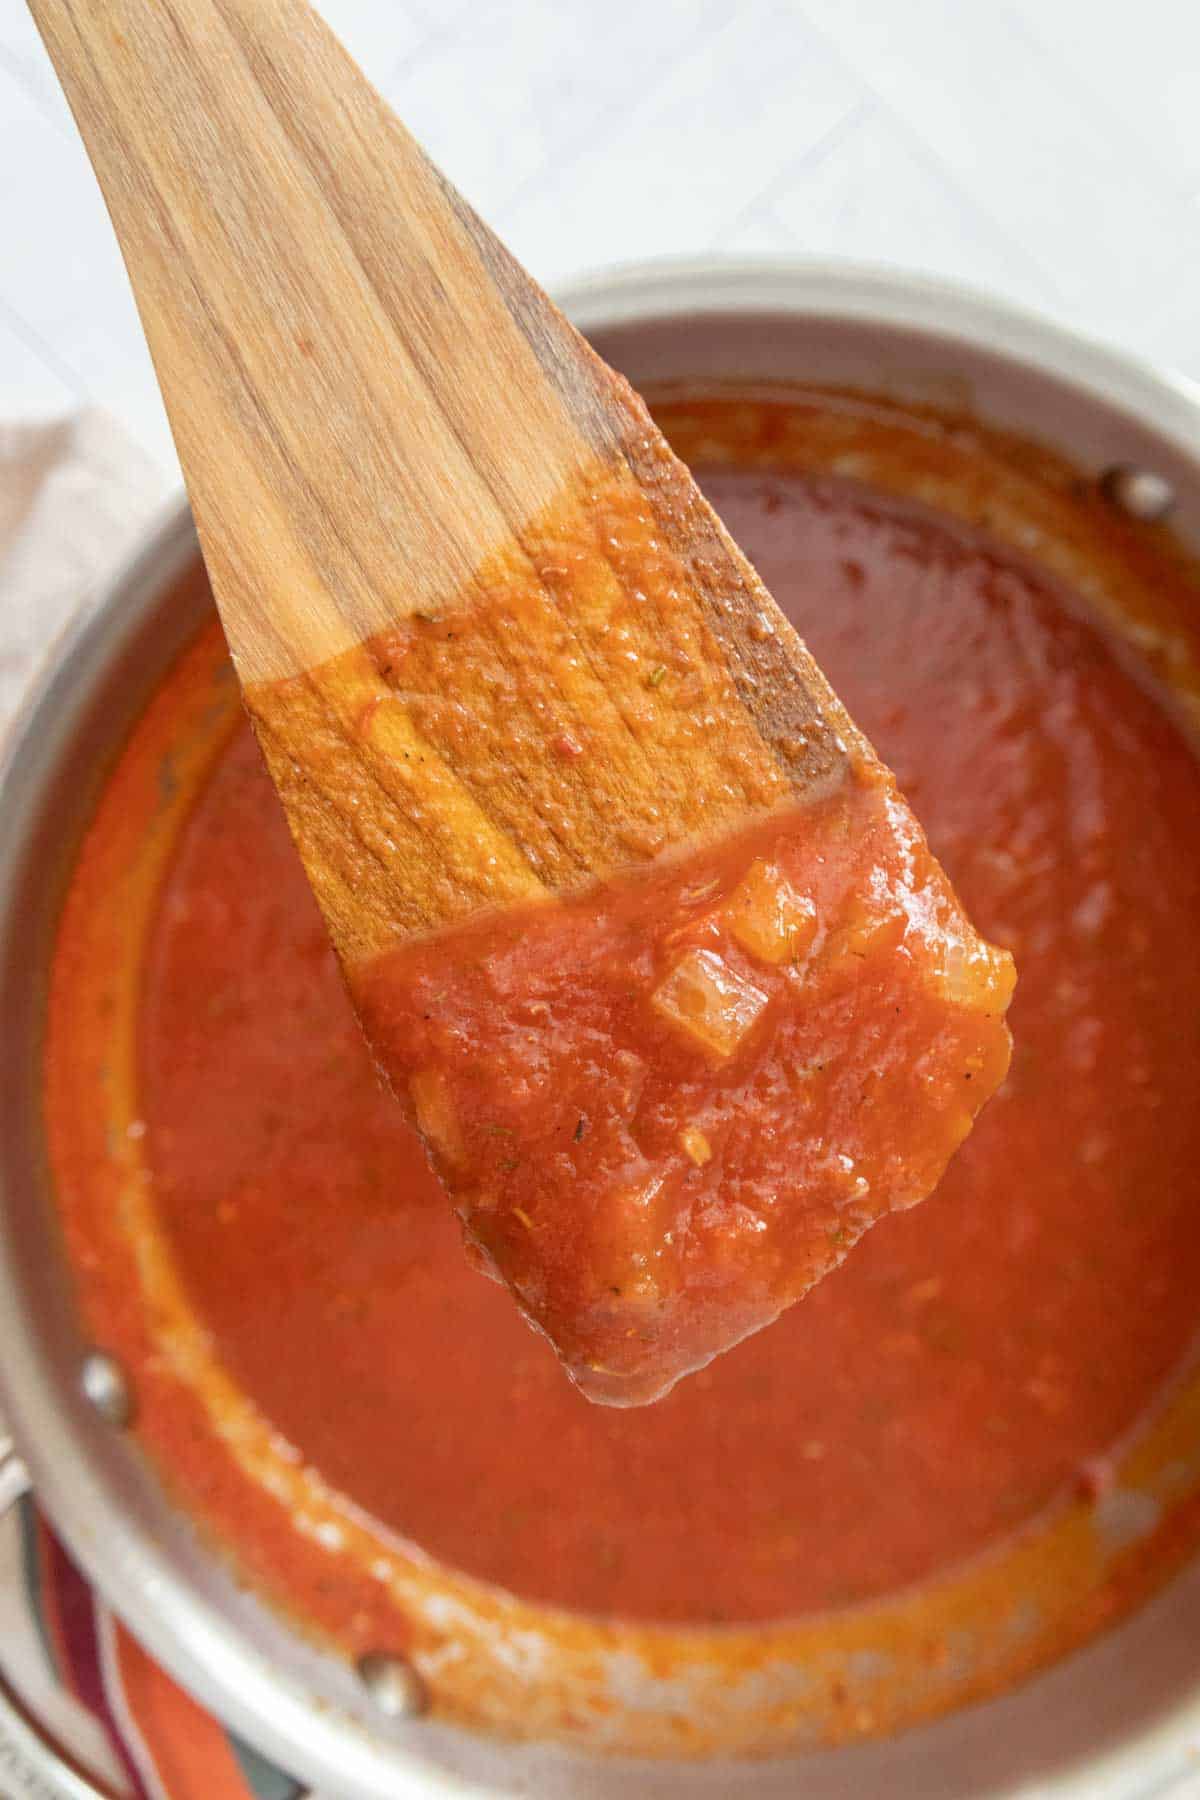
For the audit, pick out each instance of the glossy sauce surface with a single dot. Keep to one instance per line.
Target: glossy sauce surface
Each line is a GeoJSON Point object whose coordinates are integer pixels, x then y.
{"type": "Point", "coordinates": [666, 1107]}
{"type": "Point", "coordinates": [973, 1358]}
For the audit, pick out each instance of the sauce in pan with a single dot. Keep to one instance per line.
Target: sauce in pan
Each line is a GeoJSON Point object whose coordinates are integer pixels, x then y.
{"type": "Point", "coordinates": [974, 1361]}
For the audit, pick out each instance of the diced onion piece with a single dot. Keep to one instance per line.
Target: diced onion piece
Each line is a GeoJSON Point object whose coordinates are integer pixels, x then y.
{"type": "Point", "coordinates": [695, 1145]}
{"type": "Point", "coordinates": [864, 931]}
{"type": "Point", "coordinates": [436, 1118]}
{"type": "Point", "coordinates": [975, 975]}
{"type": "Point", "coordinates": [703, 996]}
{"type": "Point", "coordinates": [638, 1263]}
{"type": "Point", "coordinates": [768, 917]}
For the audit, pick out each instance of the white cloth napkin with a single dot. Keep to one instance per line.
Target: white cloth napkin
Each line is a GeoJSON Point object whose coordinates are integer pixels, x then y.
{"type": "Point", "coordinates": [74, 495]}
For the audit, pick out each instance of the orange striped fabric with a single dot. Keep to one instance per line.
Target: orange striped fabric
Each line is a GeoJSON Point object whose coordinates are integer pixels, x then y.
{"type": "Point", "coordinates": [167, 1745]}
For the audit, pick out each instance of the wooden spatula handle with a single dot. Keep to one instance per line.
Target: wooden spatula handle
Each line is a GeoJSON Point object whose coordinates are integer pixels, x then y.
{"type": "Point", "coordinates": [382, 419]}
{"type": "Point", "coordinates": [307, 282]}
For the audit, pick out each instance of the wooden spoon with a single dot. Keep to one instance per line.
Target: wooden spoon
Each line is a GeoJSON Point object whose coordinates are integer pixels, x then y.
{"type": "Point", "coordinates": [496, 647]}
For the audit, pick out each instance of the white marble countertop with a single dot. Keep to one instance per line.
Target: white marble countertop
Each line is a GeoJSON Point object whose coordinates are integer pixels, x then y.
{"type": "Point", "coordinates": [1048, 150]}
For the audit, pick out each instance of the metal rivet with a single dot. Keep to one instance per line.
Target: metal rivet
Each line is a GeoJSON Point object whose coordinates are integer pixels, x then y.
{"type": "Point", "coordinates": [394, 1686]}
{"type": "Point", "coordinates": [104, 1386]}
{"type": "Point", "coordinates": [1139, 492]}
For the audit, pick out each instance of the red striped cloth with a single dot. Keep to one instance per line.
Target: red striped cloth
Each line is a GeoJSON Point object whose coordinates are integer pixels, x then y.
{"type": "Point", "coordinates": [166, 1746]}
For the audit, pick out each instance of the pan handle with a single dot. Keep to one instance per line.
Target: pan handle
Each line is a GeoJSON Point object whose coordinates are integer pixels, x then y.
{"type": "Point", "coordinates": [31, 1768]}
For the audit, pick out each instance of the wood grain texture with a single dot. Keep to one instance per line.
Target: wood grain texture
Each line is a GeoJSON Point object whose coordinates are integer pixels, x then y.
{"type": "Point", "coordinates": [383, 420]}
{"type": "Point", "coordinates": [570, 714]}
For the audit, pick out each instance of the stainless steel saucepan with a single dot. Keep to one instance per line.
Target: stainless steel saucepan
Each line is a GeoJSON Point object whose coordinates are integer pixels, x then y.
{"type": "Point", "coordinates": [1114, 1721]}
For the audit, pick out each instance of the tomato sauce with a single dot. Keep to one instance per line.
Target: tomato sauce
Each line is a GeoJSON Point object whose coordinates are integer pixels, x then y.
{"type": "Point", "coordinates": [972, 1360]}
{"type": "Point", "coordinates": [668, 1106]}
{"type": "Point", "coordinates": [644, 936]}
{"type": "Point", "coordinates": [974, 1367]}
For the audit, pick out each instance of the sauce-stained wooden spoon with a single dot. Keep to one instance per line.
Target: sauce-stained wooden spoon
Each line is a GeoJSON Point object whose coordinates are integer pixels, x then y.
{"type": "Point", "coordinates": [635, 920]}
